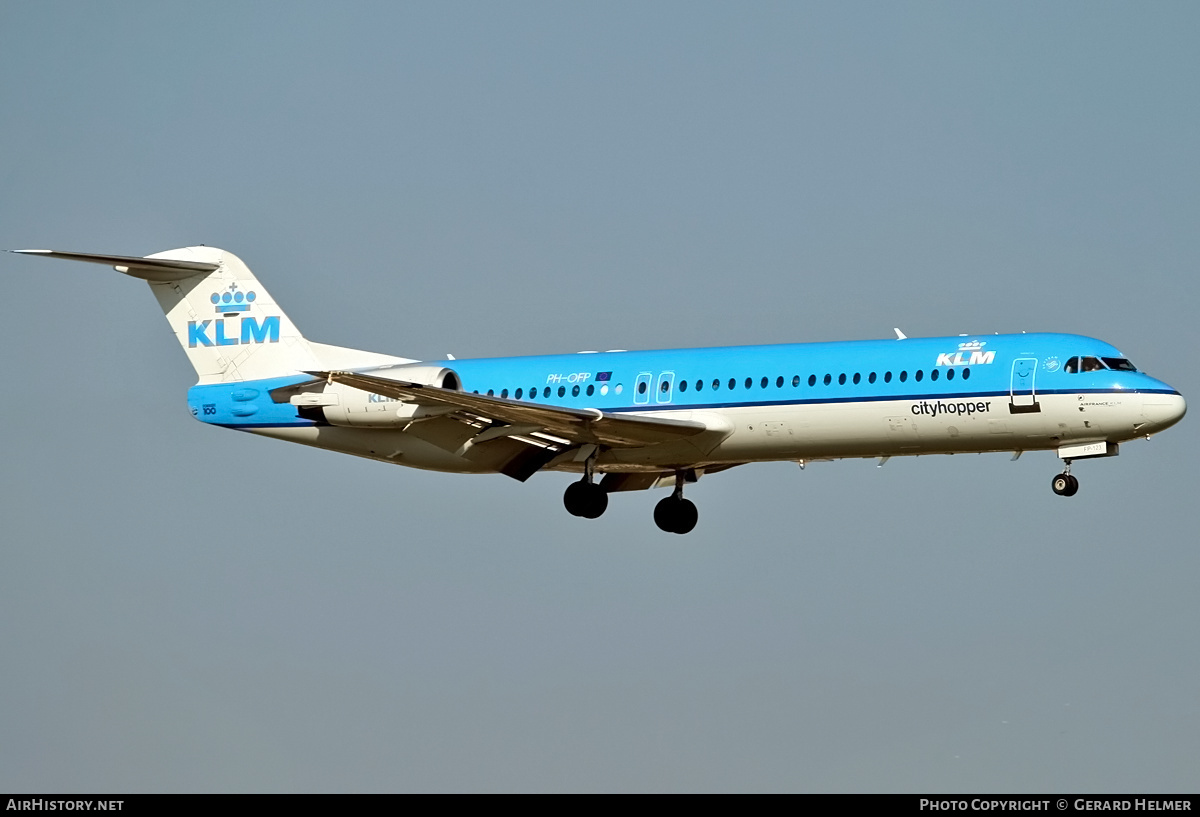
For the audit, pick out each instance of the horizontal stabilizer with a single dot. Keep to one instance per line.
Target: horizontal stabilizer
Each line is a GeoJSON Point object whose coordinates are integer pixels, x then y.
{"type": "Point", "coordinates": [148, 269]}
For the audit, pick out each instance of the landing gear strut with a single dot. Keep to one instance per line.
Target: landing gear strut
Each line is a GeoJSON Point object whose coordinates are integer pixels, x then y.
{"type": "Point", "coordinates": [1064, 484]}
{"type": "Point", "coordinates": [676, 514]}
{"type": "Point", "coordinates": [586, 498]}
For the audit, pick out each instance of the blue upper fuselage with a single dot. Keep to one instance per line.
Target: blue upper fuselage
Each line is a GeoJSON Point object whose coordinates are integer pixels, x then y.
{"type": "Point", "coordinates": [722, 377]}
{"type": "Point", "coordinates": [747, 376]}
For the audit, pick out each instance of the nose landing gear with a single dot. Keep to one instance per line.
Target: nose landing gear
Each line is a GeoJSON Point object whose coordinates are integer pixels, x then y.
{"type": "Point", "coordinates": [676, 514]}
{"type": "Point", "coordinates": [1064, 484]}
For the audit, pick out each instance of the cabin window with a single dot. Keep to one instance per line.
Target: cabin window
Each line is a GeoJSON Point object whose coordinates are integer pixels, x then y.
{"type": "Point", "coordinates": [949, 374]}
{"type": "Point", "coordinates": [591, 389]}
{"type": "Point", "coordinates": [519, 393]}
{"type": "Point", "coordinates": [812, 380]}
{"type": "Point", "coordinates": [716, 385]}
{"type": "Point", "coordinates": [732, 384]}
{"type": "Point", "coordinates": [919, 375]}
{"type": "Point", "coordinates": [699, 385]}
{"type": "Point", "coordinates": [857, 378]}
{"type": "Point", "coordinates": [842, 379]}
{"type": "Point", "coordinates": [546, 392]}
{"type": "Point", "coordinates": [795, 380]}
{"type": "Point", "coordinates": [665, 386]}
{"type": "Point", "coordinates": [682, 385]}
{"type": "Point", "coordinates": [504, 392]}
{"type": "Point", "coordinates": [749, 382]}
{"type": "Point", "coordinates": [491, 393]}
{"type": "Point", "coordinates": [871, 377]}
{"type": "Point", "coordinates": [887, 377]}
{"type": "Point", "coordinates": [933, 375]}
{"type": "Point", "coordinates": [1120, 364]}
{"type": "Point", "coordinates": [828, 379]}
{"type": "Point", "coordinates": [562, 391]}
{"type": "Point", "coordinates": [966, 374]}
{"type": "Point", "coordinates": [642, 387]}
{"type": "Point", "coordinates": [903, 376]}
{"type": "Point", "coordinates": [574, 391]}
{"type": "Point", "coordinates": [779, 382]}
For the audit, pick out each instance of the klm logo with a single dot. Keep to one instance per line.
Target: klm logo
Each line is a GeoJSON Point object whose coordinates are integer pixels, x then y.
{"type": "Point", "coordinates": [250, 331]}
{"type": "Point", "coordinates": [232, 300]}
{"type": "Point", "coordinates": [969, 353]}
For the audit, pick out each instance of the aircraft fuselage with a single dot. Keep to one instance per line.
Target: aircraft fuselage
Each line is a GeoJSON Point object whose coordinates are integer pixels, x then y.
{"type": "Point", "coordinates": [785, 402]}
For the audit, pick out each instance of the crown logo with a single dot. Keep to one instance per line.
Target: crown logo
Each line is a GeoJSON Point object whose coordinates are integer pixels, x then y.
{"type": "Point", "coordinates": [971, 346]}
{"type": "Point", "coordinates": [232, 300]}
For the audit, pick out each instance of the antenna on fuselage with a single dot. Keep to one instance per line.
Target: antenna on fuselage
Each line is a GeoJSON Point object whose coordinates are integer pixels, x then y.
{"type": "Point", "coordinates": [899, 335]}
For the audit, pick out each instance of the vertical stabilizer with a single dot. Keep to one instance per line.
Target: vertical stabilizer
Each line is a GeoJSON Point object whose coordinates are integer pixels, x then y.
{"type": "Point", "coordinates": [226, 321]}
{"type": "Point", "coordinates": [228, 325]}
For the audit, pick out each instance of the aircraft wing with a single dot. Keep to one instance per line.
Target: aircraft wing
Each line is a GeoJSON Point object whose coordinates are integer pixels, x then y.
{"type": "Point", "coordinates": [503, 417]}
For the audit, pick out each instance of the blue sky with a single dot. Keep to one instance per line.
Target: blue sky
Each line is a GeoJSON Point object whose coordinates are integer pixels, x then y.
{"type": "Point", "coordinates": [185, 609]}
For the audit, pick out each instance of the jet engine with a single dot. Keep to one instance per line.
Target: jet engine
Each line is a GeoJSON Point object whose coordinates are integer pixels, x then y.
{"type": "Point", "coordinates": [342, 405]}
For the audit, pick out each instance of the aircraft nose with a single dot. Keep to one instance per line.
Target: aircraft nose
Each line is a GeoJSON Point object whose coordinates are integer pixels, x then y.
{"type": "Point", "coordinates": [1163, 410]}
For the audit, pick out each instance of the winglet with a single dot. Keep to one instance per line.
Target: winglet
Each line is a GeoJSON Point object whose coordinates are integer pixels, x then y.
{"type": "Point", "coordinates": [899, 335]}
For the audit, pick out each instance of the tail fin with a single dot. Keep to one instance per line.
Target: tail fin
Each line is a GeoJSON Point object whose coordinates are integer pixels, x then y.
{"type": "Point", "coordinates": [227, 323]}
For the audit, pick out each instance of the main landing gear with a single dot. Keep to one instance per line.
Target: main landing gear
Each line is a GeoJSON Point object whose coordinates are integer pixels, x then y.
{"type": "Point", "coordinates": [589, 499]}
{"type": "Point", "coordinates": [676, 514]}
{"type": "Point", "coordinates": [1064, 484]}
{"type": "Point", "coordinates": [586, 498]}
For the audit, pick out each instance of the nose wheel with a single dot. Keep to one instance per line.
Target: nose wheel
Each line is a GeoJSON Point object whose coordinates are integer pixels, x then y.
{"type": "Point", "coordinates": [676, 514]}
{"type": "Point", "coordinates": [1064, 484]}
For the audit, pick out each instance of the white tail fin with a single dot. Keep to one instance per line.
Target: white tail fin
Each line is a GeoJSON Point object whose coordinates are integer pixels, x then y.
{"type": "Point", "coordinates": [227, 323]}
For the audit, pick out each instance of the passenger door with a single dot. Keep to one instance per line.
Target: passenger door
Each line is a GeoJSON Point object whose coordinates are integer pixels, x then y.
{"type": "Point", "coordinates": [1022, 391]}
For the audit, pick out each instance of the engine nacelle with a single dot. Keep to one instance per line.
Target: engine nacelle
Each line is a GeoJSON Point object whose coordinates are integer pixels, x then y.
{"type": "Point", "coordinates": [343, 405]}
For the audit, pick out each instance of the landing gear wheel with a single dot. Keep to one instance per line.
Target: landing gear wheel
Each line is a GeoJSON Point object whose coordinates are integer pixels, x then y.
{"type": "Point", "coordinates": [1065, 485]}
{"type": "Point", "coordinates": [585, 499]}
{"type": "Point", "coordinates": [676, 515]}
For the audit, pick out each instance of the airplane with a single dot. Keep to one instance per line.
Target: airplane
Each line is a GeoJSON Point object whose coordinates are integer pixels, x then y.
{"type": "Point", "coordinates": [634, 420]}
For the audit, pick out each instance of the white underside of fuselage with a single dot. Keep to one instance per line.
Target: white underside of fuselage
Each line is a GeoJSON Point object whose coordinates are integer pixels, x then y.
{"type": "Point", "coordinates": [803, 432]}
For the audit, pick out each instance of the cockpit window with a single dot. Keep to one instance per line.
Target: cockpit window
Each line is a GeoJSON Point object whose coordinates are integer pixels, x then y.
{"type": "Point", "coordinates": [1120, 364]}
{"type": "Point", "coordinates": [1072, 366]}
{"type": "Point", "coordinates": [1091, 364]}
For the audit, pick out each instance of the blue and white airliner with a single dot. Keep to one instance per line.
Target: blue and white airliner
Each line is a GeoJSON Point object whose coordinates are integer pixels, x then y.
{"type": "Point", "coordinates": [647, 419]}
